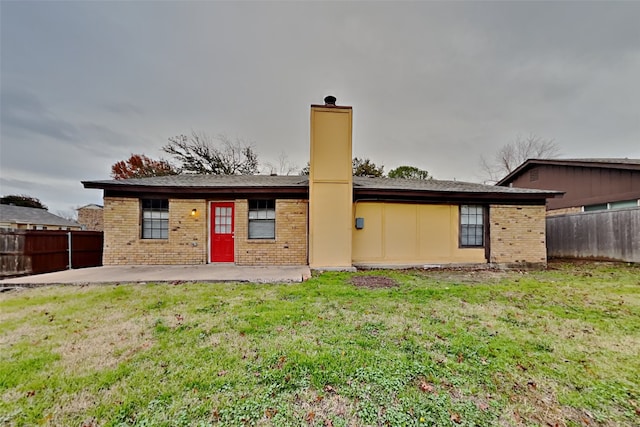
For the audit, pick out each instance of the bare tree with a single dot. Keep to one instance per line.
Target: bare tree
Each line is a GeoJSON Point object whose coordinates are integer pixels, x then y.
{"type": "Point", "coordinates": [203, 154]}
{"type": "Point", "coordinates": [512, 155]}
{"type": "Point", "coordinates": [284, 166]}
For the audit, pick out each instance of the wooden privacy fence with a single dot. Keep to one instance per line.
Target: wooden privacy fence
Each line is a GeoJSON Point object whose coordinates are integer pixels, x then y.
{"type": "Point", "coordinates": [37, 251]}
{"type": "Point", "coordinates": [612, 235]}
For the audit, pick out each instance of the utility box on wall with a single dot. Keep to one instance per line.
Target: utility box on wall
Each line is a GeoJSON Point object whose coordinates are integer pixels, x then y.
{"type": "Point", "coordinates": [359, 223]}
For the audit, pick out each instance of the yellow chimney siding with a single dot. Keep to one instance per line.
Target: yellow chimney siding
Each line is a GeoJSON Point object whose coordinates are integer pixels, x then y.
{"type": "Point", "coordinates": [410, 234]}
{"type": "Point", "coordinates": [330, 226]}
{"type": "Point", "coordinates": [331, 145]}
{"type": "Point", "coordinates": [330, 188]}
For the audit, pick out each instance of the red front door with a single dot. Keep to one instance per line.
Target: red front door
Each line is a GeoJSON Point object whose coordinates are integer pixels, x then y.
{"type": "Point", "coordinates": [222, 232]}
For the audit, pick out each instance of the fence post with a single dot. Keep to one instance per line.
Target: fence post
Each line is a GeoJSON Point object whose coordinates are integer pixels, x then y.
{"type": "Point", "coordinates": [69, 246]}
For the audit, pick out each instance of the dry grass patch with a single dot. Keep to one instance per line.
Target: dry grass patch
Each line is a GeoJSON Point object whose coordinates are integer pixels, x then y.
{"type": "Point", "coordinates": [105, 344]}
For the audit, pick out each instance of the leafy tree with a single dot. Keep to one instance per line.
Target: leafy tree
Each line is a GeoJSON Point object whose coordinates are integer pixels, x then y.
{"type": "Point", "coordinates": [200, 153]}
{"type": "Point", "coordinates": [409, 172]}
{"type": "Point", "coordinates": [365, 167]}
{"type": "Point", "coordinates": [22, 200]}
{"type": "Point", "coordinates": [512, 155]}
{"type": "Point", "coordinates": [141, 166]}
{"type": "Point", "coordinates": [361, 167]}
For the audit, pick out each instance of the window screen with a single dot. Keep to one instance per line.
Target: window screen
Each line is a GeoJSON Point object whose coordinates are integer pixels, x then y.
{"type": "Point", "coordinates": [262, 219]}
{"type": "Point", "coordinates": [155, 218]}
{"type": "Point", "coordinates": [600, 207]}
{"type": "Point", "coordinates": [471, 225]}
{"type": "Point", "coordinates": [623, 204]}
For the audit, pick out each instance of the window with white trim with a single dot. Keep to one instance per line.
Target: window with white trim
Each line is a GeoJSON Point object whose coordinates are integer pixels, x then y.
{"type": "Point", "coordinates": [155, 218]}
{"type": "Point", "coordinates": [262, 219]}
{"type": "Point", "coordinates": [471, 226]}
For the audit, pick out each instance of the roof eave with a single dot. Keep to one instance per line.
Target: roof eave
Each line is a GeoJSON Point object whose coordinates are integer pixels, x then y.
{"type": "Point", "coordinates": [512, 174]}
{"type": "Point", "coordinates": [132, 188]}
{"type": "Point", "coordinates": [114, 190]}
{"type": "Point", "coordinates": [458, 196]}
{"type": "Point", "coordinates": [205, 192]}
{"type": "Point", "coordinates": [559, 162]}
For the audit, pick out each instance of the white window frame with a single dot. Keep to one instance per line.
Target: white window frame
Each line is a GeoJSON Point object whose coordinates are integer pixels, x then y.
{"type": "Point", "coordinates": [262, 219]}
{"type": "Point", "coordinates": [154, 219]}
{"type": "Point", "coordinates": [472, 217]}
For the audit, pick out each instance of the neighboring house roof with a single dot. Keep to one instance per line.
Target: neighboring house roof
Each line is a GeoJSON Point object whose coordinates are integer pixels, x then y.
{"type": "Point", "coordinates": [612, 163]}
{"type": "Point", "coordinates": [363, 187]}
{"type": "Point", "coordinates": [90, 206]}
{"type": "Point", "coordinates": [34, 216]}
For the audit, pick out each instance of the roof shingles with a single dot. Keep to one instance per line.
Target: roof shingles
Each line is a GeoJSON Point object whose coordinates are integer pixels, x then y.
{"type": "Point", "coordinates": [217, 182]}
{"type": "Point", "coordinates": [25, 215]}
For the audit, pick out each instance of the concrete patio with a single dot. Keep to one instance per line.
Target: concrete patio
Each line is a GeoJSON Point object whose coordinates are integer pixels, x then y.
{"type": "Point", "coordinates": [166, 273]}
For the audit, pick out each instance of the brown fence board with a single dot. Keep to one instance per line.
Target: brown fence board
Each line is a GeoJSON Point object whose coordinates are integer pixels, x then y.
{"type": "Point", "coordinates": [12, 259]}
{"type": "Point", "coordinates": [86, 248]}
{"type": "Point", "coordinates": [47, 250]}
{"type": "Point", "coordinates": [42, 251]}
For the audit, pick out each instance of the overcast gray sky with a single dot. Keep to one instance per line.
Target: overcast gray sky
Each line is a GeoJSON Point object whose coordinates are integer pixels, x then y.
{"type": "Point", "coordinates": [432, 84]}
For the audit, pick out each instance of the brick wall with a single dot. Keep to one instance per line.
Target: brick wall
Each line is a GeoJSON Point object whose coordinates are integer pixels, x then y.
{"type": "Point", "coordinates": [91, 218]}
{"type": "Point", "coordinates": [187, 242]}
{"type": "Point", "coordinates": [290, 244]}
{"type": "Point", "coordinates": [517, 235]}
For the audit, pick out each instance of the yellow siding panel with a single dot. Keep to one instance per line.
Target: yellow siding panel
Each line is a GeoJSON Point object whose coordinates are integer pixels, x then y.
{"type": "Point", "coordinates": [400, 232]}
{"type": "Point", "coordinates": [438, 231]}
{"type": "Point", "coordinates": [410, 234]}
{"type": "Point", "coordinates": [368, 242]}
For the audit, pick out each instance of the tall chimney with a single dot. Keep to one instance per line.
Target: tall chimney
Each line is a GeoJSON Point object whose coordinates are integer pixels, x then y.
{"type": "Point", "coordinates": [330, 186]}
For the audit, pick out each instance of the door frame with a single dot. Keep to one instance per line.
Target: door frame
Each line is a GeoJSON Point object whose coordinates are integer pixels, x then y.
{"type": "Point", "coordinates": [210, 215]}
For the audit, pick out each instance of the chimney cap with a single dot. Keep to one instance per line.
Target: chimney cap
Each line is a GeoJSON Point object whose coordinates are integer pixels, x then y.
{"type": "Point", "coordinates": [330, 100]}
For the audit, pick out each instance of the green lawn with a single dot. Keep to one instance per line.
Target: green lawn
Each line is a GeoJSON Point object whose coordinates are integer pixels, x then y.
{"type": "Point", "coordinates": [461, 348]}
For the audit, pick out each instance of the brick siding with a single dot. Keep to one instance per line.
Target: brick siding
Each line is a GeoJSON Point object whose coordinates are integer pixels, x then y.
{"type": "Point", "coordinates": [517, 235]}
{"type": "Point", "coordinates": [187, 242]}
{"type": "Point", "coordinates": [188, 239]}
{"type": "Point", "coordinates": [290, 245]}
{"type": "Point", "coordinates": [91, 219]}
